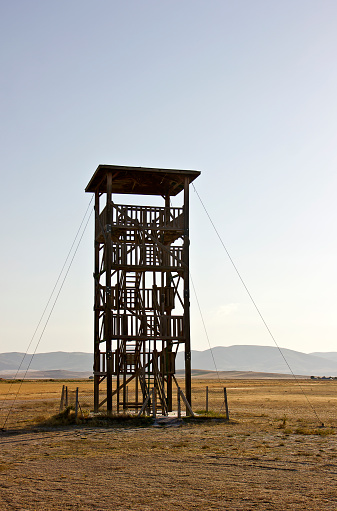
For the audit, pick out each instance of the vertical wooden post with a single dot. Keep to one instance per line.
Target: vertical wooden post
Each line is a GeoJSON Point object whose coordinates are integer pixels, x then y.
{"type": "Point", "coordinates": [108, 312]}
{"type": "Point", "coordinates": [66, 396]}
{"type": "Point", "coordinates": [186, 259]}
{"type": "Point", "coordinates": [207, 399]}
{"type": "Point", "coordinates": [226, 402]}
{"type": "Point", "coordinates": [96, 308]}
{"type": "Point", "coordinates": [154, 408]}
{"type": "Point", "coordinates": [62, 399]}
{"type": "Point", "coordinates": [167, 354]}
{"type": "Point", "coordinates": [136, 391]}
{"type": "Point", "coordinates": [179, 403]}
{"type": "Point", "coordinates": [76, 404]}
{"type": "Point", "coordinates": [117, 370]}
{"type": "Point", "coordinates": [125, 365]}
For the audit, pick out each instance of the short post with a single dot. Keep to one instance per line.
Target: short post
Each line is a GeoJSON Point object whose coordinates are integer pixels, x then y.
{"type": "Point", "coordinates": [154, 411]}
{"type": "Point", "coordinates": [76, 404]}
{"type": "Point", "coordinates": [207, 399]}
{"type": "Point", "coordinates": [127, 396]}
{"type": "Point", "coordinates": [66, 396]}
{"type": "Point", "coordinates": [179, 404]}
{"type": "Point", "coordinates": [62, 399]}
{"type": "Point", "coordinates": [226, 402]}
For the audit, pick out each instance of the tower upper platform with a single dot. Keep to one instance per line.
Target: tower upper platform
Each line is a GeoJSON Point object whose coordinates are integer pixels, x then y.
{"type": "Point", "coordinates": [140, 180]}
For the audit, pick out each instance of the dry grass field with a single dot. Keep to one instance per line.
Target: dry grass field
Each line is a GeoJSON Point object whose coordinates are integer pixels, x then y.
{"type": "Point", "coordinates": [271, 455]}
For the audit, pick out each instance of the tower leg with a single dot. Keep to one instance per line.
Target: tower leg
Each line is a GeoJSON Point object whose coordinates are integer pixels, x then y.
{"type": "Point", "coordinates": [186, 259]}
{"type": "Point", "coordinates": [169, 393]}
{"type": "Point", "coordinates": [96, 393]}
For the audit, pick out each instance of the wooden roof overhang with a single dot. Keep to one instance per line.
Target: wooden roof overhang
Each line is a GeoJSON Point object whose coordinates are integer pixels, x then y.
{"type": "Point", "coordinates": [140, 180]}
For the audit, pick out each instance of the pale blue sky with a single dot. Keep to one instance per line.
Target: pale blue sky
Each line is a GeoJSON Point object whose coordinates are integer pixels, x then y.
{"type": "Point", "coordinates": [244, 91]}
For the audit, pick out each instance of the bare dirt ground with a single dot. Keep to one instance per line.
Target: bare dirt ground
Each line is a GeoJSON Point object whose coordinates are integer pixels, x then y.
{"type": "Point", "coordinates": [271, 455]}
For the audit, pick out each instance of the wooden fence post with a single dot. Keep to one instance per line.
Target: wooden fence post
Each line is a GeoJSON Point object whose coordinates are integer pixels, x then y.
{"type": "Point", "coordinates": [226, 402]}
{"type": "Point", "coordinates": [76, 404]}
{"type": "Point", "coordinates": [62, 399]}
{"type": "Point", "coordinates": [66, 396]}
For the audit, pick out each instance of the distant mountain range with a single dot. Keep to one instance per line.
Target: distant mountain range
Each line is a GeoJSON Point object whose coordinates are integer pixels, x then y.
{"type": "Point", "coordinates": [264, 359]}
{"type": "Point", "coordinates": [329, 355]}
{"type": "Point", "coordinates": [53, 361]}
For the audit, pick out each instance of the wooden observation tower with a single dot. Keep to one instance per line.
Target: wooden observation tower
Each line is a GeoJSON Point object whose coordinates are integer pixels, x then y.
{"type": "Point", "coordinates": [141, 302]}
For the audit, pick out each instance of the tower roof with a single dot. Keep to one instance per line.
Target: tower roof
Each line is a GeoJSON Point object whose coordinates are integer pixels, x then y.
{"type": "Point", "coordinates": [140, 180]}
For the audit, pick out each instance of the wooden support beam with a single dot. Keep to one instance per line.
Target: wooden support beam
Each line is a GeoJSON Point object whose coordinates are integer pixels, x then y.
{"type": "Point", "coordinates": [108, 312]}
{"type": "Point", "coordinates": [186, 259]}
{"type": "Point", "coordinates": [97, 367]}
{"type": "Point", "coordinates": [188, 406]}
{"type": "Point", "coordinates": [145, 404]}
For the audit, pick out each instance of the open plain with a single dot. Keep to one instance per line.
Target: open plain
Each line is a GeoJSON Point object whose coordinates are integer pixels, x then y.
{"type": "Point", "coordinates": [273, 453]}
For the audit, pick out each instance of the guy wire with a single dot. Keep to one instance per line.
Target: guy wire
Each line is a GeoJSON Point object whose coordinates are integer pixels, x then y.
{"type": "Point", "coordinates": [256, 307]}
{"type": "Point", "coordinates": [206, 333]}
{"type": "Point", "coordinates": [51, 311]}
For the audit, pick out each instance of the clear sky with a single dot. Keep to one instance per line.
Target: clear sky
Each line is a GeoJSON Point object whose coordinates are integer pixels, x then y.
{"type": "Point", "coordinates": [244, 91]}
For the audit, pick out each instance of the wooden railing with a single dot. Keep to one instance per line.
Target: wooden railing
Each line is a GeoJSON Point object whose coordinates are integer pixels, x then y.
{"type": "Point", "coordinates": [128, 255]}
{"type": "Point", "coordinates": [126, 216]}
{"type": "Point", "coordinates": [142, 326]}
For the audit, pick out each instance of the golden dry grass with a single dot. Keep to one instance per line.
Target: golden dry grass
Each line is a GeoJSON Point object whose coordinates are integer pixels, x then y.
{"type": "Point", "coordinates": [272, 455]}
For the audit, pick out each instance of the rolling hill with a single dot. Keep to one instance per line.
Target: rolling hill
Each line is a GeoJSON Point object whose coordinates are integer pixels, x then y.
{"type": "Point", "coordinates": [263, 359]}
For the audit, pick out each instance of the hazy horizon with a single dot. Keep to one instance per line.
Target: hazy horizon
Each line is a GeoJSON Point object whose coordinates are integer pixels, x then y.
{"type": "Point", "coordinates": [192, 349]}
